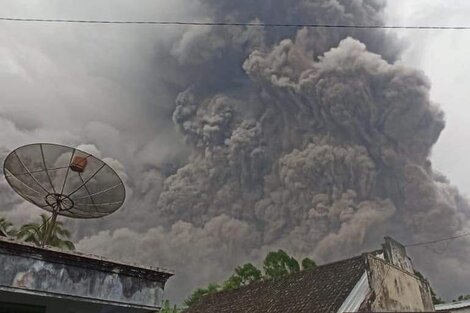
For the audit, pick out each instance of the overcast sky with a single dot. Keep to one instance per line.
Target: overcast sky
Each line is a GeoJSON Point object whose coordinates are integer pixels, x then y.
{"type": "Point", "coordinates": [445, 57]}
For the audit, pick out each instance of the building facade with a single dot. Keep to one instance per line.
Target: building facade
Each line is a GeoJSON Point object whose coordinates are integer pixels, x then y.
{"type": "Point", "coordinates": [45, 280]}
{"type": "Point", "coordinates": [379, 281]}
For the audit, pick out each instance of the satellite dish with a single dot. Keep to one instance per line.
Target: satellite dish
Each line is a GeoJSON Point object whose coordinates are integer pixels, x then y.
{"type": "Point", "coordinates": [64, 181]}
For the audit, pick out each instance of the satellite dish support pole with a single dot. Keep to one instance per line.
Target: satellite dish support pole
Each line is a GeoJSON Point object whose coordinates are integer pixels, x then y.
{"type": "Point", "coordinates": [50, 229]}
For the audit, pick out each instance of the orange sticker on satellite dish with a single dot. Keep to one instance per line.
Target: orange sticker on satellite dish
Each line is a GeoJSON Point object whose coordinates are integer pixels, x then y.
{"type": "Point", "coordinates": [78, 164]}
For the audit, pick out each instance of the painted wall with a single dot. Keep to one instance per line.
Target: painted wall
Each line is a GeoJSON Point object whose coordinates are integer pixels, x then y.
{"type": "Point", "coordinates": [396, 290]}
{"type": "Point", "coordinates": [41, 277]}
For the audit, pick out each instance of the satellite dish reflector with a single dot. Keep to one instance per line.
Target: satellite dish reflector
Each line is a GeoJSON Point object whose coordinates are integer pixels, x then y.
{"type": "Point", "coordinates": [64, 180]}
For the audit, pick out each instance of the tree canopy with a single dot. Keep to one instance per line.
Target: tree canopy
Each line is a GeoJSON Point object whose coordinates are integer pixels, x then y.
{"type": "Point", "coordinates": [275, 265]}
{"type": "Point", "coordinates": [244, 275]}
{"type": "Point", "coordinates": [201, 292]}
{"type": "Point", "coordinates": [462, 298]}
{"type": "Point", "coordinates": [308, 264]}
{"type": "Point", "coordinates": [278, 264]}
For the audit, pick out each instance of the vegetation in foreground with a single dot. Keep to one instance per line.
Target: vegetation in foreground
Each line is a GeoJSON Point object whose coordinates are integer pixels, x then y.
{"type": "Point", "coordinates": [37, 233]}
{"type": "Point", "coordinates": [275, 265]}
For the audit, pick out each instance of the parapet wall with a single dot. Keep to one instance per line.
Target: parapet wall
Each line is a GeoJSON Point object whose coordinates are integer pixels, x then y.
{"type": "Point", "coordinates": [395, 290]}
{"type": "Point", "coordinates": [38, 271]}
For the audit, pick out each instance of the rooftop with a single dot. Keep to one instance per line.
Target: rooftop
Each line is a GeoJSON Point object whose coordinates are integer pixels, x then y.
{"type": "Point", "coordinates": [35, 273]}
{"type": "Point", "coordinates": [322, 289]}
{"type": "Point", "coordinates": [12, 246]}
{"type": "Point", "coordinates": [453, 305]}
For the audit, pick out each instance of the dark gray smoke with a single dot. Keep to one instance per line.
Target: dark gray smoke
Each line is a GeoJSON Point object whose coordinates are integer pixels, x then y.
{"type": "Point", "coordinates": [313, 140]}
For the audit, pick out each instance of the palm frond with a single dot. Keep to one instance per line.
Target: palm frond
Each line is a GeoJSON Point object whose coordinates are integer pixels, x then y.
{"type": "Point", "coordinates": [63, 232]}
{"type": "Point", "coordinates": [6, 228]}
{"type": "Point", "coordinates": [68, 245]}
{"type": "Point", "coordinates": [36, 233]}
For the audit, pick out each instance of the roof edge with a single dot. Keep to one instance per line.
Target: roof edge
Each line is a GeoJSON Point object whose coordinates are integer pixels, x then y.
{"type": "Point", "coordinates": [452, 305]}
{"type": "Point", "coordinates": [267, 281]}
{"type": "Point", "coordinates": [53, 255]}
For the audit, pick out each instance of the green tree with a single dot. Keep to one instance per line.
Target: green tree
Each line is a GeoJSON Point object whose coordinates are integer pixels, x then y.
{"type": "Point", "coordinates": [243, 276]}
{"type": "Point", "coordinates": [6, 228]}
{"type": "Point", "coordinates": [201, 292]}
{"type": "Point", "coordinates": [435, 298]}
{"type": "Point", "coordinates": [462, 298]}
{"type": "Point", "coordinates": [37, 233]}
{"type": "Point", "coordinates": [278, 264]}
{"type": "Point", "coordinates": [167, 308]}
{"type": "Point", "coordinates": [308, 263]}
{"type": "Point", "coordinates": [275, 265]}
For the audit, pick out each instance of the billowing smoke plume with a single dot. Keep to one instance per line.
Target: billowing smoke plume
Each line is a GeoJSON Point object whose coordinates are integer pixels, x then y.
{"type": "Point", "coordinates": [312, 140]}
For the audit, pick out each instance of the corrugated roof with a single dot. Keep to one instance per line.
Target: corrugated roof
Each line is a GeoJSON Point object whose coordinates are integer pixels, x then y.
{"type": "Point", "coordinates": [322, 289]}
{"type": "Point", "coordinates": [453, 305]}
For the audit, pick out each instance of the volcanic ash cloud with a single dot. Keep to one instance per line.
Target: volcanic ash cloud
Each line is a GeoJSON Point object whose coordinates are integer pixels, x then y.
{"type": "Point", "coordinates": [335, 147]}
{"type": "Point", "coordinates": [316, 141]}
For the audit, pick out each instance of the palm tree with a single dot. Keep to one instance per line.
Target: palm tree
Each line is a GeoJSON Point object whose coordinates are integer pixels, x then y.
{"type": "Point", "coordinates": [6, 228]}
{"type": "Point", "coordinates": [46, 233]}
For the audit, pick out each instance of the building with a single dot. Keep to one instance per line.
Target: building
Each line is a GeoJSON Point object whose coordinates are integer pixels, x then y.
{"type": "Point", "coordinates": [380, 281]}
{"type": "Point", "coordinates": [46, 280]}
{"type": "Point", "coordinates": [454, 307]}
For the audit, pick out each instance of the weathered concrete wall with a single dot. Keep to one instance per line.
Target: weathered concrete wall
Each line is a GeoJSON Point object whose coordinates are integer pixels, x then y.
{"type": "Point", "coordinates": [49, 278]}
{"type": "Point", "coordinates": [60, 305]}
{"type": "Point", "coordinates": [396, 290]}
{"type": "Point", "coordinates": [395, 253]}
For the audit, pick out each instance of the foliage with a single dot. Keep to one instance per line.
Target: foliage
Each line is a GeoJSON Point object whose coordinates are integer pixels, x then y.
{"type": "Point", "coordinates": [308, 263]}
{"type": "Point", "coordinates": [462, 298]}
{"type": "Point", "coordinates": [243, 276]}
{"type": "Point", "coordinates": [6, 228]}
{"type": "Point", "coordinates": [201, 292]}
{"type": "Point", "coordinates": [278, 264]}
{"type": "Point", "coordinates": [36, 233]}
{"type": "Point", "coordinates": [167, 308]}
{"type": "Point", "coordinates": [435, 298]}
{"type": "Point", "coordinates": [275, 265]}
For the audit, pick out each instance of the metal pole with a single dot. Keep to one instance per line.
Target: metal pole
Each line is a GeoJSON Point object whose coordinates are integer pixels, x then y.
{"type": "Point", "coordinates": [50, 229]}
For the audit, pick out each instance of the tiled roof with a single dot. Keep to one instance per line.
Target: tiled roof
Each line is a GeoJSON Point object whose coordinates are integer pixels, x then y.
{"type": "Point", "coordinates": [322, 289]}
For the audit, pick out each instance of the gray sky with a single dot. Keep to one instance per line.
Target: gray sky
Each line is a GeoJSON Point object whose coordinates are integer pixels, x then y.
{"type": "Point", "coordinates": [445, 57]}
